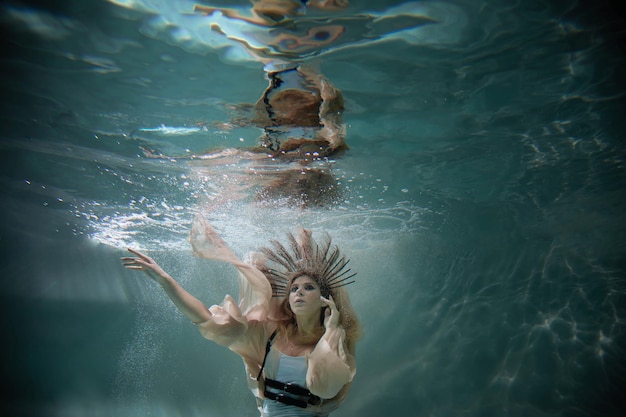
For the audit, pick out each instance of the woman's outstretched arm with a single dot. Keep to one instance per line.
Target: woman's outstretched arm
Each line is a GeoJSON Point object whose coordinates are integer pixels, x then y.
{"type": "Point", "coordinates": [189, 305]}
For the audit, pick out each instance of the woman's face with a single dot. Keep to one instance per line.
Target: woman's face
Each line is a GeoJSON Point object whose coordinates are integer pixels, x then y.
{"type": "Point", "coordinates": [304, 296]}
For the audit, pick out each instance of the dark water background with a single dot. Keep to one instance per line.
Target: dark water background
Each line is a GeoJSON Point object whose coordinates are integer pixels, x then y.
{"type": "Point", "coordinates": [483, 208]}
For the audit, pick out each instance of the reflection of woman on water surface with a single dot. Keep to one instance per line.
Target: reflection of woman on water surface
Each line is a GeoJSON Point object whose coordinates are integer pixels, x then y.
{"type": "Point", "coordinates": [293, 327]}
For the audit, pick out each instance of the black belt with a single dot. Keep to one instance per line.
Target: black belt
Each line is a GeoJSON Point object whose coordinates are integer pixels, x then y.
{"type": "Point", "coordinates": [306, 397]}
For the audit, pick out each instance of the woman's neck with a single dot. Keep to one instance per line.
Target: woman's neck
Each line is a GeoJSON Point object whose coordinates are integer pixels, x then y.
{"type": "Point", "coordinates": [308, 328]}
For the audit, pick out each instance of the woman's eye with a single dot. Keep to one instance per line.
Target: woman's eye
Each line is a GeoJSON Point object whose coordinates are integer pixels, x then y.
{"type": "Point", "coordinates": [310, 287]}
{"type": "Point", "coordinates": [294, 289]}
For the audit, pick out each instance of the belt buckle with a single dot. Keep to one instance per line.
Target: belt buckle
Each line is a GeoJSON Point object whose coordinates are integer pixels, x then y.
{"type": "Point", "coordinates": [287, 387]}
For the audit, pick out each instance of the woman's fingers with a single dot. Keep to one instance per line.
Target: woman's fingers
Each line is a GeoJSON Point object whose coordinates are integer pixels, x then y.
{"type": "Point", "coordinates": [140, 255]}
{"type": "Point", "coordinates": [140, 262]}
{"type": "Point", "coordinates": [133, 261]}
{"type": "Point", "coordinates": [140, 259]}
{"type": "Point", "coordinates": [143, 263]}
{"type": "Point", "coordinates": [329, 302]}
{"type": "Point", "coordinates": [332, 314]}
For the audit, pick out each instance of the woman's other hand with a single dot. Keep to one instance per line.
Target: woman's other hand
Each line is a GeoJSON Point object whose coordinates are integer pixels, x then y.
{"type": "Point", "coordinates": [331, 316]}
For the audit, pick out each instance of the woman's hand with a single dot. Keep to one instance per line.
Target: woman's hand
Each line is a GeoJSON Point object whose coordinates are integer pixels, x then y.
{"type": "Point", "coordinates": [146, 264]}
{"type": "Point", "coordinates": [207, 243]}
{"type": "Point", "coordinates": [331, 316]}
{"type": "Point", "coordinates": [189, 305]}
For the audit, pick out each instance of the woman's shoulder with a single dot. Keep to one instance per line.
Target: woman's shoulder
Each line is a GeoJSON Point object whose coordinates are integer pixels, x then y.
{"type": "Point", "coordinates": [263, 328]}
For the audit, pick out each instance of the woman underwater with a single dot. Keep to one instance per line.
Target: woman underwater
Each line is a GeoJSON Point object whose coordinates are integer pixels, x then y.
{"type": "Point", "coordinates": [293, 327]}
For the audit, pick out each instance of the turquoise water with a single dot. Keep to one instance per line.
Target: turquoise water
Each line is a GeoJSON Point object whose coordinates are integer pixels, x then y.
{"type": "Point", "coordinates": [482, 205]}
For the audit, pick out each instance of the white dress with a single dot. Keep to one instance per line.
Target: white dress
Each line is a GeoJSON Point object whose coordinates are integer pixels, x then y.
{"type": "Point", "coordinates": [290, 369]}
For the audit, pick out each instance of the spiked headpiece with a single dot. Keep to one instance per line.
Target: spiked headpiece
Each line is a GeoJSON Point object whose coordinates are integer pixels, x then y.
{"type": "Point", "coordinates": [304, 256]}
